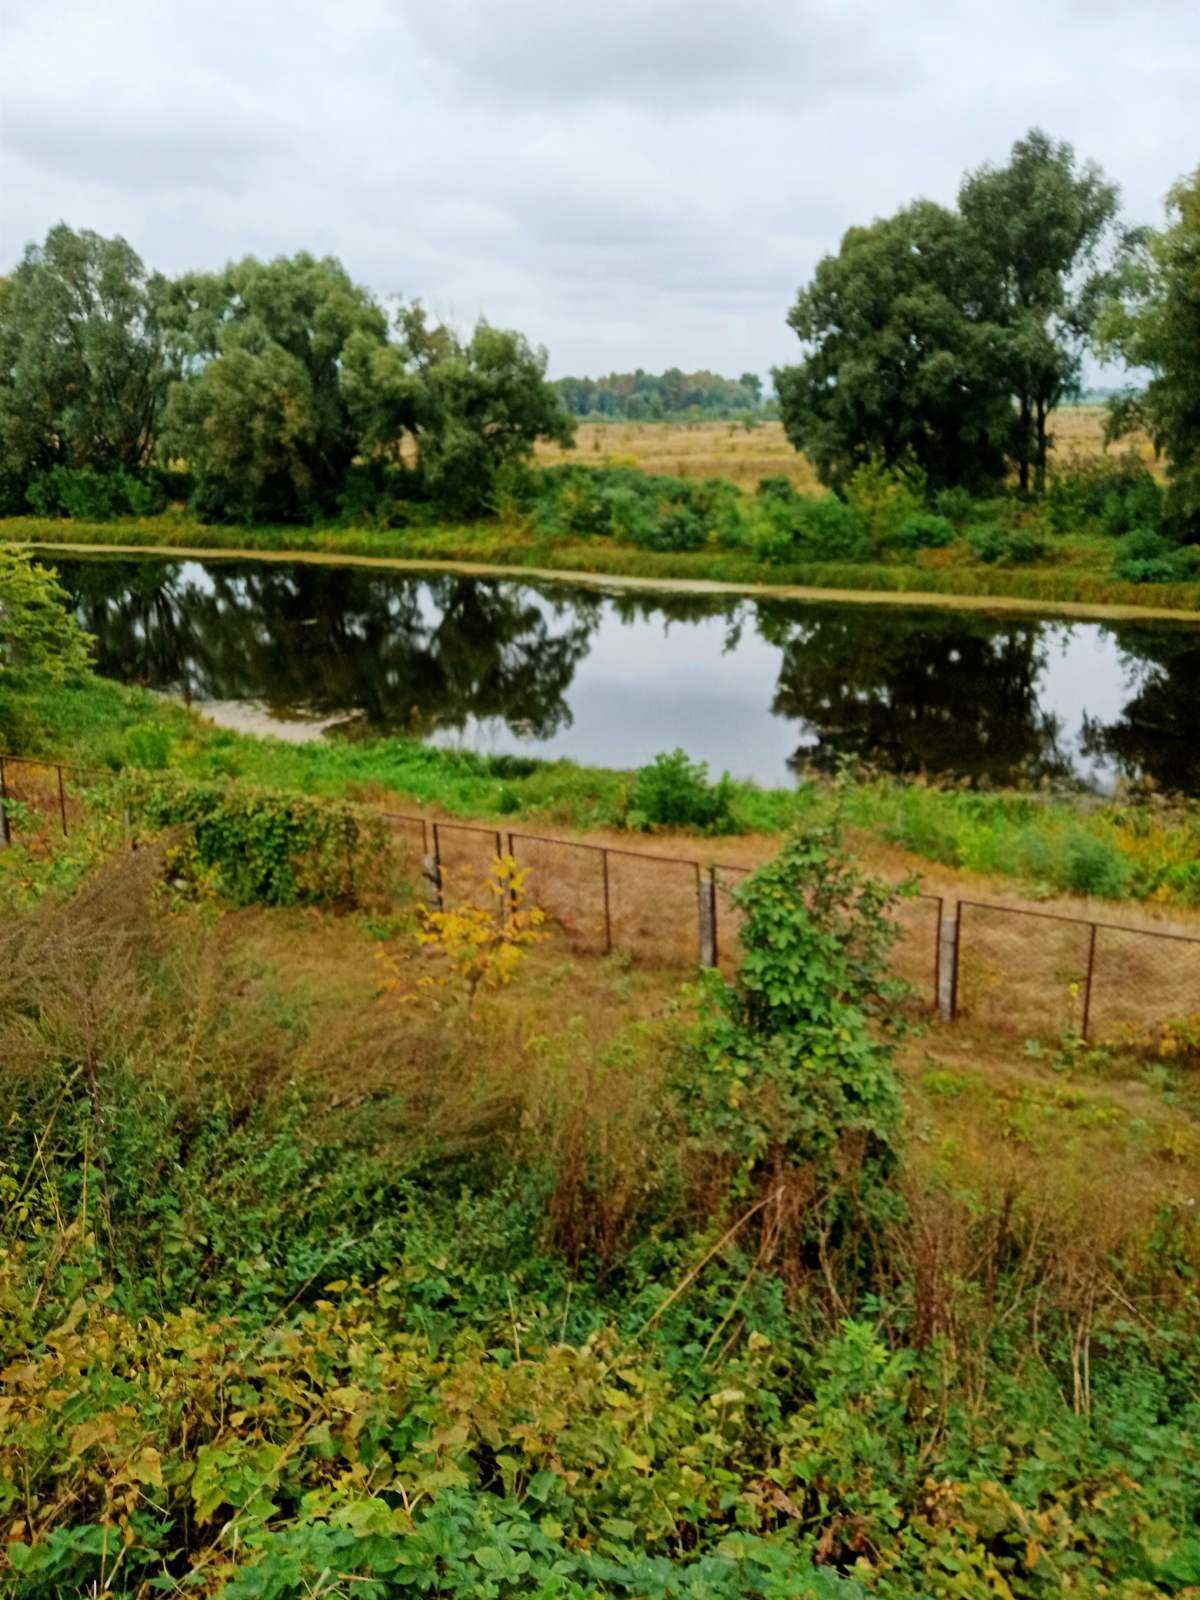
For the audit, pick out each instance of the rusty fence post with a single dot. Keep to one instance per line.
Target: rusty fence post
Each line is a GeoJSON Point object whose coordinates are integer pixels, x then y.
{"type": "Point", "coordinates": [1087, 992]}
{"type": "Point", "coordinates": [5, 826]}
{"type": "Point", "coordinates": [62, 801]}
{"type": "Point", "coordinates": [432, 870]}
{"type": "Point", "coordinates": [937, 953]}
{"type": "Point", "coordinates": [607, 905]}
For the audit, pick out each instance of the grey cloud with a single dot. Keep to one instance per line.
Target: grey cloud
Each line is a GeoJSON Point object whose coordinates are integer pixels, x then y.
{"type": "Point", "coordinates": [631, 184]}
{"type": "Point", "coordinates": [652, 53]}
{"type": "Point", "coordinates": [152, 153]}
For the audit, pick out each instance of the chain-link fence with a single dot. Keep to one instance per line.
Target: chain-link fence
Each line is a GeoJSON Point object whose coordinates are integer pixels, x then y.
{"type": "Point", "coordinates": [1017, 969]}
{"type": "Point", "coordinates": [1011, 968]}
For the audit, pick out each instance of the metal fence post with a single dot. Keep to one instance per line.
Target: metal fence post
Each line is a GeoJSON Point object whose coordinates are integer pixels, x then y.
{"type": "Point", "coordinates": [432, 868]}
{"type": "Point", "coordinates": [706, 907]}
{"type": "Point", "coordinates": [607, 905]}
{"type": "Point", "coordinates": [5, 828]}
{"type": "Point", "coordinates": [952, 943]}
{"type": "Point", "coordinates": [1087, 992]}
{"type": "Point", "coordinates": [62, 801]}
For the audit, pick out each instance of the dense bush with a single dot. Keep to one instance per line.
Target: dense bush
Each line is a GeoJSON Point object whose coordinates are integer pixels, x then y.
{"type": "Point", "coordinates": [1147, 557]}
{"type": "Point", "coordinates": [95, 496]}
{"type": "Point", "coordinates": [788, 1091]}
{"type": "Point", "coordinates": [649, 511]}
{"type": "Point", "coordinates": [1112, 495]}
{"type": "Point", "coordinates": [262, 846]}
{"type": "Point", "coordinates": [923, 530]}
{"type": "Point", "coordinates": [1000, 547]}
{"type": "Point", "coordinates": [673, 792]}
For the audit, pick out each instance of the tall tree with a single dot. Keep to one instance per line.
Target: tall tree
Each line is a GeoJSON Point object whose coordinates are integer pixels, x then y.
{"type": "Point", "coordinates": [1154, 323]}
{"type": "Point", "coordinates": [83, 365]}
{"type": "Point", "coordinates": [469, 406]}
{"type": "Point", "coordinates": [1039, 225]}
{"type": "Point", "coordinates": [260, 413]}
{"type": "Point", "coordinates": [898, 365]}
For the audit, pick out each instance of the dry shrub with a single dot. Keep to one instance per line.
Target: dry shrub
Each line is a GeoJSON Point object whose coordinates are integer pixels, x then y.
{"type": "Point", "coordinates": [1021, 1260]}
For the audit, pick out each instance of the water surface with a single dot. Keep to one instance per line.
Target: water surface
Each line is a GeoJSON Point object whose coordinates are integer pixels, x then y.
{"type": "Point", "coordinates": [759, 687]}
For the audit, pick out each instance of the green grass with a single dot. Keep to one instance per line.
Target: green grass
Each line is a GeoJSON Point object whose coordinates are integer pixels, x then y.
{"type": "Point", "coordinates": [1045, 844]}
{"type": "Point", "coordinates": [1076, 570]}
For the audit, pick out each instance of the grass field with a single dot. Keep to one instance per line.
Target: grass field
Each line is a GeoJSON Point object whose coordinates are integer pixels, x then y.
{"type": "Point", "coordinates": [729, 450]}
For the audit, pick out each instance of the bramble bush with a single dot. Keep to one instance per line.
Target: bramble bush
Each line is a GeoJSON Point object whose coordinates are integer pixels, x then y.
{"type": "Point", "coordinates": [789, 1089]}
{"type": "Point", "coordinates": [260, 845]}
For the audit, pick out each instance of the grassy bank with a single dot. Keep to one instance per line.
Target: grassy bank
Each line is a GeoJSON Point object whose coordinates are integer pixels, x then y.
{"type": "Point", "coordinates": [1045, 844]}
{"type": "Point", "coordinates": [1075, 572]}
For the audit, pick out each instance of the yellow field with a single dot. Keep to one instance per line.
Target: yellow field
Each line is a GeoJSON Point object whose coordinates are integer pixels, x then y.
{"type": "Point", "coordinates": [728, 450]}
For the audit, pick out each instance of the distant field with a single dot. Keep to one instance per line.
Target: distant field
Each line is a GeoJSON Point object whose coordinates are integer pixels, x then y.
{"type": "Point", "coordinates": [728, 450]}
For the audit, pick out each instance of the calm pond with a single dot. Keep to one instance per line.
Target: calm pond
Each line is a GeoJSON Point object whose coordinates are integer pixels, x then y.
{"type": "Point", "coordinates": [762, 688]}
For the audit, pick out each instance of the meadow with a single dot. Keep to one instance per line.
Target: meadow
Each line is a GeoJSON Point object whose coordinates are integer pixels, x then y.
{"type": "Point", "coordinates": [744, 454]}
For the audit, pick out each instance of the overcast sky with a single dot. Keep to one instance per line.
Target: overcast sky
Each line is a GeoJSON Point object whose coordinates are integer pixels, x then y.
{"type": "Point", "coordinates": [632, 182]}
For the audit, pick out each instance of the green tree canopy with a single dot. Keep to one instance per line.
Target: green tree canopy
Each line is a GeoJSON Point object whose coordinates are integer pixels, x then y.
{"type": "Point", "coordinates": [259, 413]}
{"type": "Point", "coordinates": [83, 366]}
{"type": "Point", "coordinates": [1038, 226]}
{"type": "Point", "coordinates": [468, 406]}
{"type": "Point", "coordinates": [898, 365]}
{"type": "Point", "coordinates": [946, 337]}
{"type": "Point", "coordinates": [1154, 323]}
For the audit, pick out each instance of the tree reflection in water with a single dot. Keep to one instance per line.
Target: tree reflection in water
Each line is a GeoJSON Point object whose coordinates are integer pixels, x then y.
{"type": "Point", "coordinates": [402, 654]}
{"type": "Point", "coordinates": [929, 693]}
{"type": "Point", "coordinates": [907, 690]}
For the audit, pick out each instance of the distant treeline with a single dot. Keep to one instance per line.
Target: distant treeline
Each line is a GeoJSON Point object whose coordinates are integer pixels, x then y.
{"type": "Point", "coordinates": [654, 396]}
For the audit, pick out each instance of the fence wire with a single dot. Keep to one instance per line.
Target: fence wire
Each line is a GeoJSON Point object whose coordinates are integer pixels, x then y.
{"type": "Point", "coordinates": [569, 882]}
{"type": "Point", "coordinates": [1010, 968]}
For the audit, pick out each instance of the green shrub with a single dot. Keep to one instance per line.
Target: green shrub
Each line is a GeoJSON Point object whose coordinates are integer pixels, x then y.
{"type": "Point", "coordinates": [957, 505]}
{"type": "Point", "coordinates": [673, 792]}
{"type": "Point", "coordinates": [996, 547]}
{"type": "Point", "coordinates": [263, 847]}
{"type": "Point", "coordinates": [93, 496]}
{"type": "Point", "coordinates": [1093, 866]}
{"type": "Point", "coordinates": [787, 1091]}
{"type": "Point", "coordinates": [376, 495]}
{"type": "Point", "coordinates": [1112, 495]}
{"type": "Point", "coordinates": [1145, 556]}
{"type": "Point", "coordinates": [923, 530]}
{"type": "Point", "coordinates": [884, 497]}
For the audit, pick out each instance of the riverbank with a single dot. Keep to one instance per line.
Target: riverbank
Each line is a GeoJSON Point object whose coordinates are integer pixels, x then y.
{"type": "Point", "coordinates": [499, 549]}
{"type": "Point", "coordinates": [1044, 845]}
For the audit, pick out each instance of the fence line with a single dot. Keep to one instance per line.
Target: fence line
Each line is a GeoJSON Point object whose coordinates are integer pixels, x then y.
{"type": "Point", "coordinates": [671, 909]}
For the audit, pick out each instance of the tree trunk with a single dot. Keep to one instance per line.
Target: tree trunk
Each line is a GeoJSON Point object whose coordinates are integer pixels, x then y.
{"type": "Point", "coordinates": [1023, 427]}
{"type": "Point", "coordinates": [1041, 446]}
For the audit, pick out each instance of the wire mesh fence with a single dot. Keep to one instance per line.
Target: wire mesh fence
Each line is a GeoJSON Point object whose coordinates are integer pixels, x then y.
{"type": "Point", "coordinates": [655, 907]}
{"type": "Point", "coordinates": [570, 883]}
{"type": "Point", "coordinates": [1010, 968]}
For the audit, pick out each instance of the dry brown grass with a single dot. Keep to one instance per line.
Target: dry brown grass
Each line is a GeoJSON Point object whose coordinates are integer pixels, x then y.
{"type": "Point", "coordinates": [728, 450]}
{"type": "Point", "coordinates": [689, 450]}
